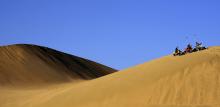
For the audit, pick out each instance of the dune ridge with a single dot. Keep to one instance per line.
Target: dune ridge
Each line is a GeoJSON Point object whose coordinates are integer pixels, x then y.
{"type": "Point", "coordinates": [24, 64]}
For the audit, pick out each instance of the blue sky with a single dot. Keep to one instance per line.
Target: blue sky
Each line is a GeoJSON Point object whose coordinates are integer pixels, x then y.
{"type": "Point", "coordinates": [117, 33]}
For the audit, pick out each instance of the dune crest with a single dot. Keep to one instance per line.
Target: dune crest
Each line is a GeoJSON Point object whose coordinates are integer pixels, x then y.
{"type": "Point", "coordinates": [24, 64]}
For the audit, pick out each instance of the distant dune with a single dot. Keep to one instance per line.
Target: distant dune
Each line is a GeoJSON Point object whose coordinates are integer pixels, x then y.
{"type": "Point", "coordinates": [30, 64]}
{"type": "Point", "coordinates": [192, 80]}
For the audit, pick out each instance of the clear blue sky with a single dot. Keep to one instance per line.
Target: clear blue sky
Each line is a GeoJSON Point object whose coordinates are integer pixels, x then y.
{"type": "Point", "coordinates": [117, 33]}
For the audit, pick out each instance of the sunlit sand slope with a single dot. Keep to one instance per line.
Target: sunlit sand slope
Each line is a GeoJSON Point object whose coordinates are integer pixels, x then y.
{"type": "Point", "coordinates": [31, 64]}
{"type": "Point", "coordinates": [192, 80]}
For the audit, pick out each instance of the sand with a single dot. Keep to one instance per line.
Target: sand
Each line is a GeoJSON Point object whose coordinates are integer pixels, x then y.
{"type": "Point", "coordinates": [28, 65]}
{"type": "Point", "coordinates": [192, 80]}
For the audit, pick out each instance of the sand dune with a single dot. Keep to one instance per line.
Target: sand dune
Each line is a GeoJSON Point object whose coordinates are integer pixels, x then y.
{"type": "Point", "coordinates": [192, 80]}
{"type": "Point", "coordinates": [30, 64]}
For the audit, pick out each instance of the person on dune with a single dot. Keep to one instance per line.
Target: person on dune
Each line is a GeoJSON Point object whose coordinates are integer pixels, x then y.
{"type": "Point", "coordinates": [199, 46]}
{"type": "Point", "coordinates": [177, 52]}
{"type": "Point", "coordinates": [188, 49]}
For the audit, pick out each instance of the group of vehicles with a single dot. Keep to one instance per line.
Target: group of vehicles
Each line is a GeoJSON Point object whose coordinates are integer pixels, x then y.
{"type": "Point", "coordinates": [189, 49]}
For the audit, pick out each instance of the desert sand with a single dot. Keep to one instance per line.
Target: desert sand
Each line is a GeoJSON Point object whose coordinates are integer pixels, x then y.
{"type": "Point", "coordinates": [28, 65]}
{"type": "Point", "coordinates": [192, 80]}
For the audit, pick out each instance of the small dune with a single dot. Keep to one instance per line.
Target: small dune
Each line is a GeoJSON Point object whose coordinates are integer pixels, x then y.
{"type": "Point", "coordinates": [27, 65]}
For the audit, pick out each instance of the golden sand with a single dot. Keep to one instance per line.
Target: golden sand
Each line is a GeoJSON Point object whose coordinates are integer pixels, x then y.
{"type": "Point", "coordinates": [192, 80]}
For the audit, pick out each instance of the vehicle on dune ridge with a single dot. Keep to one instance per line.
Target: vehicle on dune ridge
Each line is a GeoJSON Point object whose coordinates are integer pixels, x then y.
{"type": "Point", "coordinates": [189, 49]}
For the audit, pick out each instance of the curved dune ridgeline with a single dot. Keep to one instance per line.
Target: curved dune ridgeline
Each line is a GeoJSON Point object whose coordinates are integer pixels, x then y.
{"type": "Point", "coordinates": [192, 80]}
{"type": "Point", "coordinates": [30, 64]}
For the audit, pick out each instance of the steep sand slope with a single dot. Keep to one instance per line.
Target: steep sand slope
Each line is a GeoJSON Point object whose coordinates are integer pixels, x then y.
{"type": "Point", "coordinates": [30, 64]}
{"type": "Point", "coordinates": [192, 80]}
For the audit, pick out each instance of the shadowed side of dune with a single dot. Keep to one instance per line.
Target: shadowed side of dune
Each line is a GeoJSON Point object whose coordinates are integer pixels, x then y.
{"type": "Point", "coordinates": [30, 64]}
